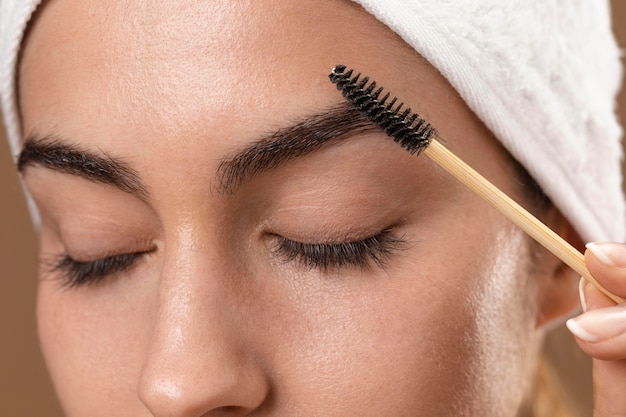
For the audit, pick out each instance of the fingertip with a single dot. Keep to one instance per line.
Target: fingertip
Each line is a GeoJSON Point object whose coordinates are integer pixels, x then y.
{"type": "Point", "coordinates": [606, 261]}
{"type": "Point", "coordinates": [580, 332]}
{"type": "Point", "coordinates": [593, 297]}
{"type": "Point", "coordinates": [611, 254]}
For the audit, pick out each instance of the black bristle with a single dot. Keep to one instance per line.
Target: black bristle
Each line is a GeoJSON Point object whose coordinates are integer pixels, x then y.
{"type": "Point", "coordinates": [408, 129]}
{"type": "Point", "coordinates": [371, 88]}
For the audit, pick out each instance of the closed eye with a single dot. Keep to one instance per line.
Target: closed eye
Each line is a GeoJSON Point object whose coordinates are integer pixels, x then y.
{"type": "Point", "coordinates": [82, 273]}
{"type": "Point", "coordinates": [375, 249]}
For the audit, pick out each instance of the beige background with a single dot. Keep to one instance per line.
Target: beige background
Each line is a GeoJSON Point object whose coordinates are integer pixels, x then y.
{"type": "Point", "coordinates": [24, 387]}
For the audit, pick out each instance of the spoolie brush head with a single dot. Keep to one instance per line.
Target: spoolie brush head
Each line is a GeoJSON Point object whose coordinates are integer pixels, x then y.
{"type": "Point", "coordinates": [408, 129]}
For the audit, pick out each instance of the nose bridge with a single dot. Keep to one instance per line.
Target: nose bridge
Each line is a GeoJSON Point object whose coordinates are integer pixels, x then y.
{"type": "Point", "coordinates": [196, 361]}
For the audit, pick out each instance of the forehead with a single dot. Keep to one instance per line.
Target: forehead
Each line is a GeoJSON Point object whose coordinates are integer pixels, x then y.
{"type": "Point", "coordinates": [146, 64]}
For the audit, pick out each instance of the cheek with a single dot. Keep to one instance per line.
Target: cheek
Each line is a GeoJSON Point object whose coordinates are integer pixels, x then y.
{"type": "Point", "coordinates": [457, 337]}
{"type": "Point", "coordinates": [93, 348]}
{"type": "Point", "coordinates": [505, 312]}
{"type": "Point", "coordinates": [390, 350]}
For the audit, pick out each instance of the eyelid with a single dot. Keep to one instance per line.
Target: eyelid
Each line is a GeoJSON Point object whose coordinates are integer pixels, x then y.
{"type": "Point", "coordinates": [361, 253]}
{"type": "Point", "coordinates": [75, 273]}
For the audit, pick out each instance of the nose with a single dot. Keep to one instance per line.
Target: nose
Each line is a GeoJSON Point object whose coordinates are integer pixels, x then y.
{"type": "Point", "coordinates": [196, 362]}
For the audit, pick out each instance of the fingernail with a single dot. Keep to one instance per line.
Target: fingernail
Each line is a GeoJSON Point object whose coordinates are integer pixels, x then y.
{"type": "Point", "coordinates": [598, 325]}
{"type": "Point", "coordinates": [610, 254]}
{"type": "Point", "coordinates": [581, 293]}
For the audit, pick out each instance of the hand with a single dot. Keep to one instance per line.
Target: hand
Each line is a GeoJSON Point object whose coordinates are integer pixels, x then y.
{"type": "Point", "coordinates": [601, 330]}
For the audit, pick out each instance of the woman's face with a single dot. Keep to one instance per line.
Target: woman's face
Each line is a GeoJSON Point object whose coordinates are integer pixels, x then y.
{"type": "Point", "coordinates": [210, 246]}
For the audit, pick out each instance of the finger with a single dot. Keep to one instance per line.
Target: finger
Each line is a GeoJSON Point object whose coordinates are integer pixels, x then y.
{"type": "Point", "coordinates": [601, 333]}
{"type": "Point", "coordinates": [601, 330]}
{"type": "Point", "coordinates": [592, 298]}
{"type": "Point", "coordinates": [609, 381]}
{"type": "Point", "coordinates": [606, 262]}
{"type": "Point", "coordinates": [609, 375]}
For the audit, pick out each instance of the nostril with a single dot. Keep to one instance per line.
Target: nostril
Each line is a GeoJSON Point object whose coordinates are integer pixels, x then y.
{"type": "Point", "coordinates": [228, 410]}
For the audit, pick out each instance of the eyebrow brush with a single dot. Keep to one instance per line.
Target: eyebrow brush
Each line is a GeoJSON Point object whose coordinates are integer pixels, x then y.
{"type": "Point", "coordinates": [416, 135]}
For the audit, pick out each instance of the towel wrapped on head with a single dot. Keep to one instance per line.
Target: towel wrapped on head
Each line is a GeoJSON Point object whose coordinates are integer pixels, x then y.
{"type": "Point", "coordinates": [542, 75]}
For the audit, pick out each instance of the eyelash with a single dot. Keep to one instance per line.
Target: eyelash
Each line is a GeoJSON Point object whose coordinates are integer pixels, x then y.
{"type": "Point", "coordinates": [78, 273]}
{"type": "Point", "coordinates": [325, 256]}
{"type": "Point", "coordinates": [321, 256]}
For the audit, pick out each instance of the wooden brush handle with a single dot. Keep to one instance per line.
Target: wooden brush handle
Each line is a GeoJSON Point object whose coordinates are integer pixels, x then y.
{"type": "Point", "coordinates": [514, 212]}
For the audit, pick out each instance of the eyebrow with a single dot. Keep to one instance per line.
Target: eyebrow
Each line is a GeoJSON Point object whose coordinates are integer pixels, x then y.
{"type": "Point", "coordinates": [52, 153]}
{"type": "Point", "coordinates": [291, 142]}
{"type": "Point", "coordinates": [268, 153]}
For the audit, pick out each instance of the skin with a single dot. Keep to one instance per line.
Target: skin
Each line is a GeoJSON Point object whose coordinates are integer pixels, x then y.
{"type": "Point", "coordinates": [212, 321]}
{"type": "Point", "coordinates": [604, 326]}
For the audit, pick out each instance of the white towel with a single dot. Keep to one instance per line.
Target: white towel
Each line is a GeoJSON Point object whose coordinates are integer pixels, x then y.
{"type": "Point", "coordinates": [14, 17]}
{"type": "Point", "coordinates": [542, 75]}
